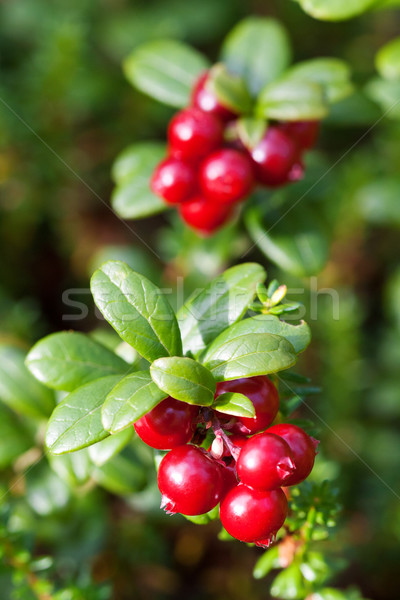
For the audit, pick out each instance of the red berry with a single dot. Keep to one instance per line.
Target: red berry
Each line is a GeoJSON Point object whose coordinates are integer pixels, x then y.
{"type": "Point", "coordinates": [264, 397]}
{"type": "Point", "coordinates": [253, 515]}
{"type": "Point", "coordinates": [303, 448]}
{"type": "Point", "coordinates": [229, 477]}
{"type": "Point", "coordinates": [265, 462]}
{"type": "Point", "coordinates": [168, 425]}
{"type": "Point", "coordinates": [204, 99]}
{"type": "Point", "coordinates": [304, 133]}
{"type": "Point", "coordinates": [190, 481]}
{"type": "Point", "coordinates": [173, 180]}
{"type": "Point", "coordinates": [274, 157]}
{"type": "Point", "coordinates": [192, 134]}
{"type": "Point", "coordinates": [204, 215]}
{"type": "Point", "coordinates": [226, 176]}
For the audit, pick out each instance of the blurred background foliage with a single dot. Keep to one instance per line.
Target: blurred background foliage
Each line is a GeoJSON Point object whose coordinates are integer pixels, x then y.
{"type": "Point", "coordinates": [81, 529]}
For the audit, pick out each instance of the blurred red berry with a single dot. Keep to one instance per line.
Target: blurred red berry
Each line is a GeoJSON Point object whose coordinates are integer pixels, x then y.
{"type": "Point", "coordinates": [173, 180]}
{"type": "Point", "coordinates": [226, 176]}
{"type": "Point", "coordinates": [193, 134]}
{"type": "Point", "coordinates": [204, 99]}
{"type": "Point", "coordinates": [274, 157]}
{"type": "Point", "coordinates": [203, 214]}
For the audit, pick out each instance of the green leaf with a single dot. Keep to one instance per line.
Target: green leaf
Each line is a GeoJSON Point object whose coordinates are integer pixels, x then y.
{"type": "Point", "coordinates": [67, 360]}
{"type": "Point", "coordinates": [386, 94]}
{"type": "Point", "coordinates": [257, 49]}
{"type": "Point", "coordinates": [335, 10]}
{"type": "Point", "coordinates": [230, 90]}
{"type": "Point", "coordinates": [222, 302]}
{"type": "Point", "coordinates": [137, 310]}
{"type": "Point", "coordinates": [268, 561]}
{"type": "Point", "coordinates": [292, 100]}
{"type": "Point", "coordinates": [251, 131]}
{"type": "Point", "coordinates": [75, 468]}
{"type": "Point", "coordinates": [132, 197]}
{"type": "Point", "coordinates": [76, 421]}
{"type": "Point", "coordinates": [298, 335]}
{"type": "Point", "coordinates": [248, 355]}
{"type": "Point", "coordinates": [332, 74]}
{"type": "Point", "coordinates": [103, 451]}
{"type": "Point", "coordinates": [19, 389]}
{"type": "Point", "coordinates": [387, 60]}
{"type": "Point", "coordinates": [14, 438]}
{"type": "Point", "coordinates": [297, 243]}
{"type": "Point", "coordinates": [134, 396]}
{"type": "Point", "coordinates": [238, 405]}
{"type": "Point", "coordinates": [121, 475]}
{"type": "Point", "coordinates": [165, 70]}
{"type": "Point", "coordinates": [184, 379]}
{"type": "Point", "coordinates": [212, 515]}
{"type": "Point", "coordinates": [289, 584]}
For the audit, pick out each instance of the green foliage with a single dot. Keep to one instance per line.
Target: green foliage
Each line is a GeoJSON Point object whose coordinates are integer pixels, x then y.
{"type": "Point", "coordinates": [387, 60]}
{"type": "Point", "coordinates": [234, 404]}
{"type": "Point", "coordinates": [289, 99]}
{"type": "Point", "coordinates": [184, 379]}
{"type": "Point", "coordinates": [337, 10]}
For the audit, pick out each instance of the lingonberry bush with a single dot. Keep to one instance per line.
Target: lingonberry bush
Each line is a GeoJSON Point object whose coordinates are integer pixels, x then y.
{"type": "Point", "coordinates": [245, 124]}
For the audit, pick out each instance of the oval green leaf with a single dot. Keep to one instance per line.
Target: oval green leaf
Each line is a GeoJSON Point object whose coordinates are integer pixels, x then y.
{"type": "Point", "coordinates": [222, 302]}
{"type": "Point", "coordinates": [76, 421]}
{"type": "Point", "coordinates": [234, 404]}
{"type": "Point", "coordinates": [137, 310]}
{"type": "Point", "coordinates": [257, 49]}
{"type": "Point", "coordinates": [165, 70]}
{"type": "Point", "coordinates": [292, 100]}
{"type": "Point", "coordinates": [19, 389]}
{"type": "Point", "coordinates": [335, 10]}
{"type": "Point", "coordinates": [230, 90]}
{"type": "Point", "coordinates": [249, 355]}
{"type": "Point", "coordinates": [134, 396]}
{"type": "Point", "coordinates": [184, 379]}
{"type": "Point", "coordinates": [332, 74]}
{"type": "Point", "coordinates": [69, 359]}
{"type": "Point", "coordinates": [387, 60]}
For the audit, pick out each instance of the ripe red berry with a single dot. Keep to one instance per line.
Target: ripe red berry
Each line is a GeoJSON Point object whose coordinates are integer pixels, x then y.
{"type": "Point", "coordinates": [204, 99]}
{"type": "Point", "coordinates": [274, 157]}
{"type": "Point", "coordinates": [168, 425]}
{"type": "Point", "coordinates": [264, 397]}
{"type": "Point", "coordinates": [229, 478]}
{"type": "Point", "coordinates": [304, 133]}
{"type": "Point", "coordinates": [226, 176]}
{"type": "Point", "coordinates": [173, 180]}
{"type": "Point", "coordinates": [265, 462]}
{"type": "Point", "coordinates": [303, 448]}
{"type": "Point", "coordinates": [192, 134]}
{"type": "Point", "coordinates": [204, 215]}
{"type": "Point", "coordinates": [253, 515]}
{"type": "Point", "coordinates": [190, 481]}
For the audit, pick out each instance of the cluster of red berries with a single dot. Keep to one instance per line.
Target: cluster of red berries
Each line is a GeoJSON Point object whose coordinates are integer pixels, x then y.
{"type": "Point", "coordinates": [243, 470]}
{"type": "Point", "coordinates": [206, 176]}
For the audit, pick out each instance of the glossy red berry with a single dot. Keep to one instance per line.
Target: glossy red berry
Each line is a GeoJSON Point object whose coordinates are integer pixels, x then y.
{"type": "Point", "coordinates": [205, 99]}
{"type": "Point", "coordinates": [193, 134]}
{"type": "Point", "coordinates": [253, 515]}
{"type": "Point", "coordinates": [264, 397]}
{"type": "Point", "coordinates": [226, 176]}
{"type": "Point", "coordinates": [173, 180]}
{"type": "Point", "coordinates": [203, 214]}
{"type": "Point", "coordinates": [265, 462]}
{"type": "Point", "coordinates": [274, 157]}
{"type": "Point", "coordinates": [304, 133]}
{"type": "Point", "coordinates": [190, 481]}
{"type": "Point", "coordinates": [303, 448]}
{"type": "Point", "coordinates": [168, 425]}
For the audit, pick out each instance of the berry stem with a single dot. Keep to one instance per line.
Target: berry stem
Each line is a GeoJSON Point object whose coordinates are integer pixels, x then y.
{"type": "Point", "coordinates": [220, 434]}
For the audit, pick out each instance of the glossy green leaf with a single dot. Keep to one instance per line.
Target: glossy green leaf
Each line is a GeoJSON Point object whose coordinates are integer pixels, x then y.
{"type": "Point", "coordinates": [76, 421]}
{"type": "Point", "coordinates": [388, 60]}
{"type": "Point", "coordinates": [75, 468]}
{"type": "Point", "coordinates": [257, 49]}
{"type": "Point", "coordinates": [298, 335]}
{"type": "Point", "coordinates": [165, 70]}
{"type": "Point", "coordinates": [103, 451]}
{"type": "Point", "coordinates": [184, 379]}
{"type": "Point", "coordinates": [297, 243]}
{"type": "Point", "coordinates": [14, 438]}
{"type": "Point", "coordinates": [132, 197]}
{"type": "Point", "coordinates": [234, 404]}
{"type": "Point", "coordinates": [292, 100]}
{"type": "Point", "coordinates": [332, 74]}
{"type": "Point", "coordinates": [335, 10]}
{"type": "Point", "coordinates": [19, 389]}
{"type": "Point", "coordinates": [231, 90]}
{"type": "Point", "coordinates": [134, 396]}
{"type": "Point", "coordinates": [222, 302]}
{"type": "Point", "coordinates": [69, 359]}
{"type": "Point", "coordinates": [249, 354]}
{"type": "Point", "coordinates": [137, 310]}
